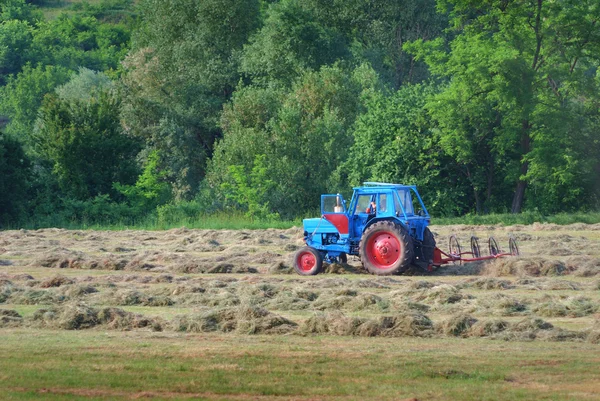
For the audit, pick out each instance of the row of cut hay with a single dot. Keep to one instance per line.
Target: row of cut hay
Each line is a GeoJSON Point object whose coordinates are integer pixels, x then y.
{"type": "Point", "coordinates": [77, 316]}
{"type": "Point", "coordinates": [420, 296]}
{"type": "Point", "coordinates": [148, 261]}
{"type": "Point", "coordinates": [250, 319]}
{"type": "Point", "coordinates": [243, 319]}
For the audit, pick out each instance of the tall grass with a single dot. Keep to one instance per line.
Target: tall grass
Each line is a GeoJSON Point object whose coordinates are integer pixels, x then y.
{"type": "Point", "coordinates": [508, 219]}
{"type": "Point", "coordinates": [215, 221]}
{"type": "Point", "coordinates": [230, 220]}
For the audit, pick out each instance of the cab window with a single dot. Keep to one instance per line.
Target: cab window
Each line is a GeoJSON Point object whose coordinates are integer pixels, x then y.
{"type": "Point", "coordinates": [406, 199]}
{"type": "Point", "coordinates": [382, 203]}
{"type": "Point", "coordinates": [362, 204]}
{"type": "Point", "coordinates": [333, 204]}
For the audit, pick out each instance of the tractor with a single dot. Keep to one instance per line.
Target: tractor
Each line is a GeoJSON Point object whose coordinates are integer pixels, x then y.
{"type": "Point", "coordinates": [387, 226]}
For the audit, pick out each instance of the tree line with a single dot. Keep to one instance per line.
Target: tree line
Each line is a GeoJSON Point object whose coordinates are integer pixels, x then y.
{"type": "Point", "coordinates": [120, 110]}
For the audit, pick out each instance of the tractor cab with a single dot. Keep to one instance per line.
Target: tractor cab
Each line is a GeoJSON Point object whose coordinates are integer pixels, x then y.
{"type": "Point", "coordinates": [378, 201]}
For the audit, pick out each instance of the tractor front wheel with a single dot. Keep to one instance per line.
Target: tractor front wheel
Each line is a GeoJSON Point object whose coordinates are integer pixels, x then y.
{"type": "Point", "coordinates": [386, 248]}
{"type": "Point", "coordinates": [308, 261]}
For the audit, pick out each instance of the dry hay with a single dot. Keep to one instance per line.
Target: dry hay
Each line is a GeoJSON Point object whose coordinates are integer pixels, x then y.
{"type": "Point", "coordinates": [211, 298]}
{"type": "Point", "coordinates": [442, 294]}
{"type": "Point", "coordinates": [571, 307]}
{"type": "Point", "coordinates": [405, 305]}
{"type": "Point", "coordinates": [487, 328]}
{"type": "Point", "coordinates": [118, 319]}
{"type": "Point", "coordinates": [330, 300]}
{"type": "Point", "coordinates": [56, 281]}
{"type": "Point", "coordinates": [464, 269]}
{"type": "Point", "coordinates": [457, 325]}
{"type": "Point", "coordinates": [77, 290]}
{"type": "Point", "coordinates": [504, 305]}
{"type": "Point", "coordinates": [594, 333]}
{"type": "Point", "coordinates": [336, 323]}
{"type": "Point", "coordinates": [244, 319]}
{"type": "Point", "coordinates": [373, 283]}
{"type": "Point", "coordinates": [293, 299]}
{"type": "Point", "coordinates": [421, 284]}
{"type": "Point", "coordinates": [257, 294]}
{"type": "Point", "coordinates": [584, 266]}
{"type": "Point", "coordinates": [366, 301]}
{"type": "Point", "coordinates": [10, 318]}
{"type": "Point", "coordinates": [487, 283]}
{"type": "Point", "coordinates": [329, 283]}
{"type": "Point", "coordinates": [133, 297]}
{"type": "Point", "coordinates": [524, 267]}
{"type": "Point", "coordinates": [287, 300]}
{"type": "Point", "coordinates": [342, 268]}
{"type": "Point", "coordinates": [280, 268]}
{"type": "Point", "coordinates": [558, 285]}
{"type": "Point", "coordinates": [78, 316]}
{"type": "Point", "coordinates": [69, 317]}
{"type": "Point", "coordinates": [29, 296]}
{"type": "Point", "coordinates": [256, 320]}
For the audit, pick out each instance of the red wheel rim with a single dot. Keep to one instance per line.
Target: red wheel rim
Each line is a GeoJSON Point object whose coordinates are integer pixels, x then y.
{"type": "Point", "coordinates": [306, 261]}
{"type": "Point", "coordinates": [383, 249]}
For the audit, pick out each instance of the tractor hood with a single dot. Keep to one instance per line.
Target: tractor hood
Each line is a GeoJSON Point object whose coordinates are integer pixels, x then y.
{"type": "Point", "coordinates": [319, 226]}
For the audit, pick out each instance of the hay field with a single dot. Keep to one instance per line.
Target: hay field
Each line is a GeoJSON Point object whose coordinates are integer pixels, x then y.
{"type": "Point", "coordinates": [209, 314]}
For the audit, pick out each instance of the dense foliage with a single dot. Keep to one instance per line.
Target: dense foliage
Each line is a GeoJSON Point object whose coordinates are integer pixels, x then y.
{"type": "Point", "coordinates": [117, 110]}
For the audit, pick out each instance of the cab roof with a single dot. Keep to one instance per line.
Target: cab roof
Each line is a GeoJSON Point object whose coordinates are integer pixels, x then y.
{"type": "Point", "coordinates": [374, 186]}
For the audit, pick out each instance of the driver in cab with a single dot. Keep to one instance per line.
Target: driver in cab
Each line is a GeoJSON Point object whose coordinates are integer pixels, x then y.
{"type": "Point", "coordinates": [372, 209]}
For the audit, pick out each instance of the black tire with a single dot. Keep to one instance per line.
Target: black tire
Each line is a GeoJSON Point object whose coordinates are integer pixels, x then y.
{"type": "Point", "coordinates": [428, 246]}
{"type": "Point", "coordinates": [343, 258]}
{"type": "Point", "coordinates": [307, 265]}
{"type": "Point", "coordinates": [386, 248]}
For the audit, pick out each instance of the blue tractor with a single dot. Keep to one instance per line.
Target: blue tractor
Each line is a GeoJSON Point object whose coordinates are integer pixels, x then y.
{"type": "Point", "coordinates": [384, 224]}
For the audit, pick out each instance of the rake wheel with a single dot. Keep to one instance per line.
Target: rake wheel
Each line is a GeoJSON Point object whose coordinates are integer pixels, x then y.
{"type": "Point", "coordinates": [454, 248]}
{"type": "Point", "coordinates": [493, 246]}
{"type": "Point", "coordinates": [475, 250]}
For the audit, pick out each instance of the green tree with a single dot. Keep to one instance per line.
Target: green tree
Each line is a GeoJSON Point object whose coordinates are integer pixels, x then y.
{"type": "Point", "coordinates": [85, 85]}
{"type": "Point", "coordinates": [51, 50]}
{"type": "Point", "coordinates": [516, 69]}
{"type": "Point", "coordinates": [376, 30]}
{"type": "Point", "coordinates": [84, 142]}
{"type": "Point", "coordinates": [151, 188]}
{"type": "Point", "coordinates": [290, 42]}
{"type": "Point", "coordinates": [304, 134]}
{"type": "Point", "coordinates": [182, 69]}
{"type": "Point", "coordinates": [15, 172]}
{"type": "Point", "coordinates": [15, 39]}
{"type": "Point", "coordinates": [252, 191]}
{"type": "Point", "coordinates": [74, 41]}
{"type": "Point", "coordinates": [22, 96]}
{"type": "Point", "coordinates": [19, 10]}
{"type": "Point", "coordinates": [394, 142]}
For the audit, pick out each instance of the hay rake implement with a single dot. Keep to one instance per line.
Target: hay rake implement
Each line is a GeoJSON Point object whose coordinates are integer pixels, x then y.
{"type": "Point", "coordinates": [456, 255]}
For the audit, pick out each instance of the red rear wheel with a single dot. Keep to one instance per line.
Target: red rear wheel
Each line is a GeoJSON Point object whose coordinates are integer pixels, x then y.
{"type": "Point", "coordinates": [308, 261]}
{"type": "Point", "coordinates": [386, 248]}
{"type": "Point", "coordinates": [383, 249]}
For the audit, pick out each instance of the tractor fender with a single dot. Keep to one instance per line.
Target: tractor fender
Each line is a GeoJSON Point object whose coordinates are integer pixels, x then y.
{"type": "Point", "coordinates": [392, 219]}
